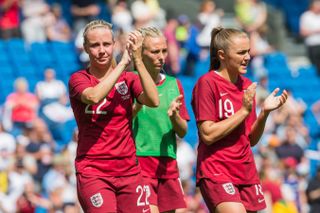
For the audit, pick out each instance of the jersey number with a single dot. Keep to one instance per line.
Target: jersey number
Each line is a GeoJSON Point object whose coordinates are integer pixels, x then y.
{"type": "Point", "coordinates": [98, 111]}
{"type": "Point", "coordinates": [141, 190]}
{"type": "Point", "coordinates": [226, 108]}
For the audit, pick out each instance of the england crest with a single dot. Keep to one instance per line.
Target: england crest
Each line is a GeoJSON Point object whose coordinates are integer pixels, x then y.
{"type": "Point", "coordinates": [96, 200]}
{"type": "Point", "coordinates": [228, 187]}
{"type": "Point", "coordinates": [121, 87]}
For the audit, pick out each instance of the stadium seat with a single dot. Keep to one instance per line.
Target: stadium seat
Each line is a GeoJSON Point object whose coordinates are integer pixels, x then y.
{"type": "Point", "coordinates": [40, 53]}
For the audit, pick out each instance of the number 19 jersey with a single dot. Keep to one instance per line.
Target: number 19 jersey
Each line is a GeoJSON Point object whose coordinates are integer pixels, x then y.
{"type": "Point", "coordinates": [230, 159]}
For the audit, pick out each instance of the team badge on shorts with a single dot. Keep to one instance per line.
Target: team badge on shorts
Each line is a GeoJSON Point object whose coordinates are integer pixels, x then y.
{"type": "Point", "coordinates": [228, 187]}
{"type": "Point", "coordinates": [122, 87]}
{"type": "Point", "coordinates": [96, 200]}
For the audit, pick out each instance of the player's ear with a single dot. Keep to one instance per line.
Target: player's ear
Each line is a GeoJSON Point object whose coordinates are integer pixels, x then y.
{"type": "Point", "coordinates": [221, 54]}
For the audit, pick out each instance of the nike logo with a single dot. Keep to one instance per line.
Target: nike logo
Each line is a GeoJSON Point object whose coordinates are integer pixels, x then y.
{"type": "Point", "coordinates": [223, 93]}
{"type": "Point", "coordinates": [145, 210]}
{"type": "Point", "coordinates": [260, 200]}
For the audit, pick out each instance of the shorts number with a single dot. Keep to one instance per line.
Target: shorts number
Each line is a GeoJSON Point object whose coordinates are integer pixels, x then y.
{"type": "Point", "coordinates": [141, 190]}
{"type": "Point", "coordinates": [98, 110]}
{"type": "Point", "coordinates": [258, 189]}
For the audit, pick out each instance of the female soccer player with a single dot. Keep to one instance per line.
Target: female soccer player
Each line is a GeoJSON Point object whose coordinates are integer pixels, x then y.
{"type": "Point", "coordinates": [108, 173]}
{"type": "Point", "coordinates": [155, 129]}
{"type": "Point", "coordinates": [224, 108]}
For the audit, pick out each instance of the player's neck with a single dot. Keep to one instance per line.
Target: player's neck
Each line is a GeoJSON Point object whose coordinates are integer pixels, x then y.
{"type": "Point", "coordinates": [100, 73]}
{"type": "Point", "coordinates": [233, 78]}
{"type": "Point", "coordinates": [156, 77]}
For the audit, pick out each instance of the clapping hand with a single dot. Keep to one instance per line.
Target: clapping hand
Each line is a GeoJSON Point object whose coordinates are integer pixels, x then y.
{"type": "Point", "coordinates": [175, 106]}
{"type": "Point", "coordinates": [135, 44]}
{"type": "Point", "coordinates": [273, 102]}
{"type": "Point", "coordinates": [248, 97]}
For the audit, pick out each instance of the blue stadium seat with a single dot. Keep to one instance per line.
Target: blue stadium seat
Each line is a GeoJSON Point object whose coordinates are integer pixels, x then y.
{"type": "Point", "coordinates": [4, 57]}
{"type": "Point", "coordinates": [16, 44]}
{"type": "Point", "coordinates": [27, 71]}
{"type": "Point", "coordinates": [62, 47]}
{"type": "Point", "coordinates": [40, 53]}
{"type": "Point", "coordinates": [7, 72]}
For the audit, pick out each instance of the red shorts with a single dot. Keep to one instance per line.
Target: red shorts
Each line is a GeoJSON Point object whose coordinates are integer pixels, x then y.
{"type": "Point", "coordinates": [251, 196]}
{"type": "Point", "coordinates": [112, 194]}
{"type": "Point", "coordinates": [167, 194]}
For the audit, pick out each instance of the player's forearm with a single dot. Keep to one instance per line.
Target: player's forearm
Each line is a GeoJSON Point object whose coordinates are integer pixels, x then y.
{"type": "Point", "coordinates": [179, 125]}
{"type": "Point", "coordinates": [150, 92]}
{"type": "Point", "coordinates": [94, 95]}
{"type": "Point", "coordinates": [258, 128]}
{"type": "Point", "coordinates": [211, 132]}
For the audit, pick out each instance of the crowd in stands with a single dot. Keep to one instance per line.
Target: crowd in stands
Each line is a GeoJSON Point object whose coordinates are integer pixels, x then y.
{"type": "Point", "coordinates": [38, 134]}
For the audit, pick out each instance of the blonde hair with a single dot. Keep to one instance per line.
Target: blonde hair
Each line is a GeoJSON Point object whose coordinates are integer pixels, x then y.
{"type": "Point", "coordinates": [94, 25]}
{"type": "Point", "coordinates": [150, 32]}
{"type": "Point", "coordinates": [221, 40]}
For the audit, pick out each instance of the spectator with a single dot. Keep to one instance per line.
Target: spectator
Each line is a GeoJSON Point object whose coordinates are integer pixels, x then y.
{"type": "Point", "coordinates": [121, 17]}
{"type": "Point", "coordinates": [36, 14]}
{"type": "Point", "coordinates": [22, 106]}
{"type": "Point", "coordinates": [83, 11]}
{"type": "Point", "coordinates": [147, 13]}
{"type": "Point", "coordinates": [51, 89]}
{"type": "Point", "coordinates": [251, 14]}
{"type": "Point", "coordinates": [31, 200]}
{"type": "Point", "coordinates": [40, 146]}
{"type": "Point", "coordinates": [57, 28]}
{"type": "Point", "coordinates": [54, 108]}
{"type": "Point", "coordinates": [288, 147]}
{"type": "Point", "coordinates": [310, 30]}
{"type": "Point", "coordinates": [9, 19]}
{"type": "Point", "coordinates": [209, 18]}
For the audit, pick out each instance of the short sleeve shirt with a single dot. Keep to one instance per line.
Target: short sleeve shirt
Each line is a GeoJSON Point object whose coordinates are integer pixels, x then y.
{"type": "Point", "coordinates": [106, 144]}
{"type": "Point", "coordinates": [231, 158]}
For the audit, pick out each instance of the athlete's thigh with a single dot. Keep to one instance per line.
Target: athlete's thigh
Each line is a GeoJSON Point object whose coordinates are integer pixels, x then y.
{"type": "Point", "coordinates": [216, 193]}
{"type": "Point", "coordinates": [132, 195]}
{"type": "Point", "coordinates": [170, 195]}
{"type": "Point", "coordinates": [252, 197]}
{"type": "Point", "coordinates": [96, 194]}
{"type": "Point", "coordinates": [227, 207]}
{"type": "Point", "coordinates": [151, 185]}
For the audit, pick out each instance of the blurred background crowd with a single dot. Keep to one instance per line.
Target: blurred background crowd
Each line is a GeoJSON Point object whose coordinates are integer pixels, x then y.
{"type": "Point", "coordinates": [41, 45]}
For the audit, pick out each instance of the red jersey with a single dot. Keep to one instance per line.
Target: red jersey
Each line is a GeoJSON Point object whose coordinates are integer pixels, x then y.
{"type": "Point", "coordinates": [9, 19]}
{"type": "Point", "coordinates": [229, 159]}
{"type": "Point", "coordinates": [106, 145]}
{"type": "Point", "coordinates": [164, 167]}
{"type": "Point", "coordinates": [25, 106]}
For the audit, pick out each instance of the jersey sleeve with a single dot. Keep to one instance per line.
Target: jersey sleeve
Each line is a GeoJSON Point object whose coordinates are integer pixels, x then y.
{"type": "Point", "coordinates": [183, 109]}
{"type": "Point", "coordinates": [136, 87]}
{"type": "Point", "coordinates": [77, 83]}
{"type": "Point", "coordinates": [203, 101]}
